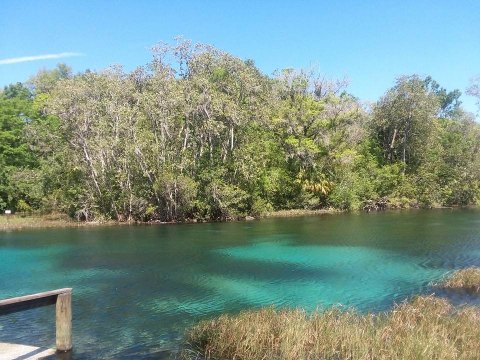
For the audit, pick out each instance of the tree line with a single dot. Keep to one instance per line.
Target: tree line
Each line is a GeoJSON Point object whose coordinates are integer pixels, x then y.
{"type": "Point", "coordinates": [198, 133]}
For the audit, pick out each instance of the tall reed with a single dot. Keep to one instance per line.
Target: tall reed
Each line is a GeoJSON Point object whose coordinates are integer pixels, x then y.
{"type": "Point", "coordinates": [424, 328]}
{"type": "Point", "coordinates": [465, 279]}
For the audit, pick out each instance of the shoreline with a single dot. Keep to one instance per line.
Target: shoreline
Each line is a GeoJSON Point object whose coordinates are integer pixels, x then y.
{"type": "Point", "coordinates": [20, 222]}
{"type": "Point", "coordinates": [25, 222]}
{"type": "Point", "coordinates": [300, 212]}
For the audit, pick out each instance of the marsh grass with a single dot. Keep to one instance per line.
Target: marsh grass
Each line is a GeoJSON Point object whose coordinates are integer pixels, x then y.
{"type": "Point", "coordinates": [465, 279]}
{"type": "Point", "coordinates": [19, 222]}
{"type": "Point", "coordinates": [299, 213]}
{"type": "Point", "coordinates": [425, 328]}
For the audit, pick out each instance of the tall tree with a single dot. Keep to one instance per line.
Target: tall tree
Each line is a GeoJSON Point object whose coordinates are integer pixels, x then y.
{"type": "Point", "coordinates": [404, 121]}
{"type": "Point", "coordinates": [449, 101]}
{"type": "Point", "coordinates": [45, 80]}
{"type": "Point", "coordinates": [474, 90]}
{"type": "Point", "coordinates": [16, 155]}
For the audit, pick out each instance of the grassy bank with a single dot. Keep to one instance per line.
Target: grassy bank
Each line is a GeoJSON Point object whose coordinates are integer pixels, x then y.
{"type": "Point", "coordinates": [465, 279]}
{"type": "Point", "coordinates": [299, 212]}
{"type": "Point", "coordinates": [18, 222]}
{"type": "Point", "coordinates": [425, 328]}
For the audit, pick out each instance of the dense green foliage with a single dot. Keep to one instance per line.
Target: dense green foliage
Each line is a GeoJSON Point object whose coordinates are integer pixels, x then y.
{"type": "Point", "coordinates": [200, 134]}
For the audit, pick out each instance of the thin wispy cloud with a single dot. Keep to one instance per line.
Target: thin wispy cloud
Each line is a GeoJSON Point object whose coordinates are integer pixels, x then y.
{"type": "Point", "coordinates": [17, 60]}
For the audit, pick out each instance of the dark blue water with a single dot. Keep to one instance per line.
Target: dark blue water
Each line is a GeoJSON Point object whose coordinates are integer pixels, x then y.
{"type": "Point", "coordinates": [137, 288]}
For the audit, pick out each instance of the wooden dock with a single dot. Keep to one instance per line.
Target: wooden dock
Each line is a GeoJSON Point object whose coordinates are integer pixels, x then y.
{"type": "Point", "coordinates": [25, 352]}
{"type": "Point", "coordinates": [62, 299]}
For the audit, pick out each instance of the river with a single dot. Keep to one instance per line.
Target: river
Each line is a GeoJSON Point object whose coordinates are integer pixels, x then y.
{"type": "Point", "coordinates": [137, 288]}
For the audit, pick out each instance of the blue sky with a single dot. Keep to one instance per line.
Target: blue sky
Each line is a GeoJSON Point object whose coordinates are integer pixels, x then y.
{"type": "Point", "coordinates": [370, 42]}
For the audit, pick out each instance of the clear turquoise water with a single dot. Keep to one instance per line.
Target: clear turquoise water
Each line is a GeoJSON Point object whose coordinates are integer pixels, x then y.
{"type": "Point", "coordinates": [137, 288]}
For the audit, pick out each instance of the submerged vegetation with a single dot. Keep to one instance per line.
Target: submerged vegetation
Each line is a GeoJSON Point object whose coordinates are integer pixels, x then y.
{"type": "Point", "coordinates": [200, 134]}
{"type": "Point", "coordinates": [465, 279]}
{"type": "Point", "coordinates": [425, 328]}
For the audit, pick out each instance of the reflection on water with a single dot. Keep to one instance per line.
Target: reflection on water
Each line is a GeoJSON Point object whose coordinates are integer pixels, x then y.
{"type": "Point", "coordinates": [137, 288]}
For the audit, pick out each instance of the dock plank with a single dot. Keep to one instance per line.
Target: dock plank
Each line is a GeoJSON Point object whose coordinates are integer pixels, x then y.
{"type": "Point", "coordinates": [10, 351]}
